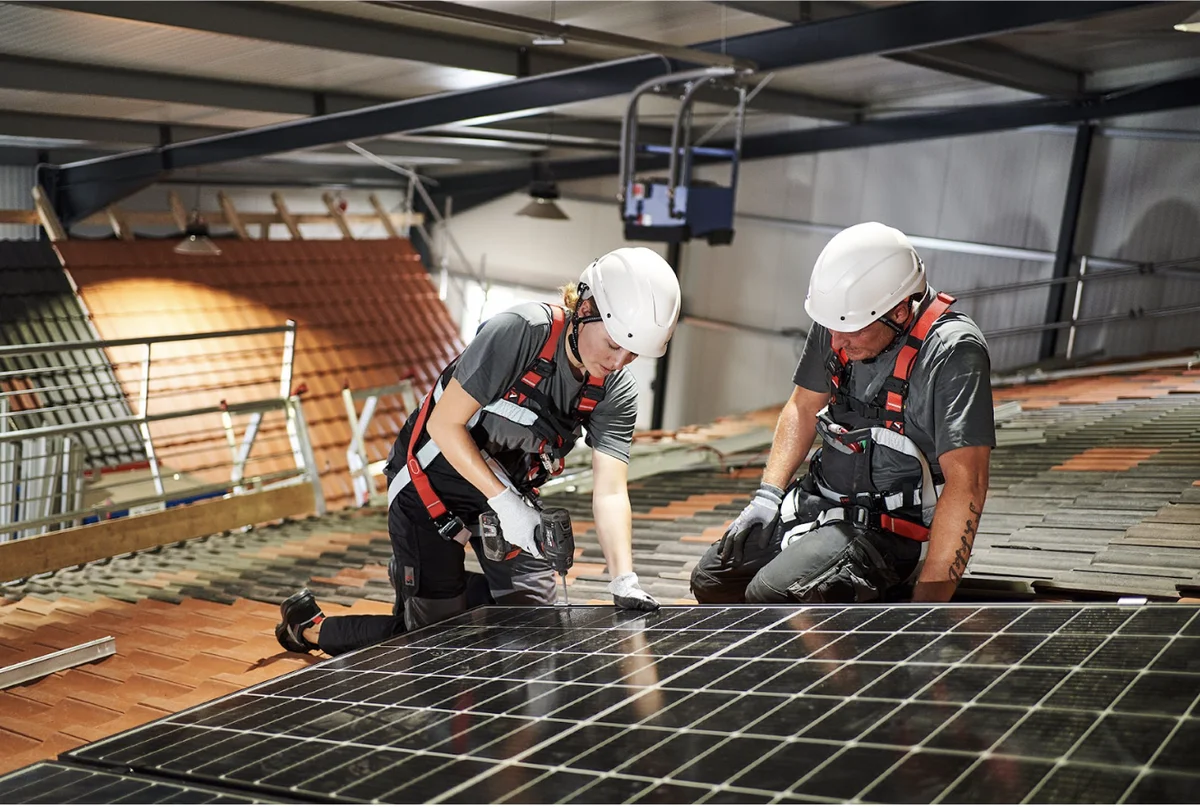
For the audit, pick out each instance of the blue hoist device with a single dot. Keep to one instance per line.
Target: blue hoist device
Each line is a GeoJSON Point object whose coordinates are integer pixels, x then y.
{"type": "Point", "coordinates": [680, 207]}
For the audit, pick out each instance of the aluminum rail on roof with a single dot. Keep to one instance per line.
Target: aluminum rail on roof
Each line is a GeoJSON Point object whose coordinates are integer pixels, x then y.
{"type": "Point", "coordinates": [79, 189]}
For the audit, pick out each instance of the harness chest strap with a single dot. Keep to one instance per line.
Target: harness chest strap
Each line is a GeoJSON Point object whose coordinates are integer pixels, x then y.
{"type": "Point", "coordinates": [907, 356]}
{"type": "Point", "coordinates": [892, 436]}
{"type": "Point", "coordinates": [511, 406]}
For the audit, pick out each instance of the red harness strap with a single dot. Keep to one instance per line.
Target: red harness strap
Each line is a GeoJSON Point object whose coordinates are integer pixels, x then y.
{"type": "Point", "coordinates": [897, 389]}
{"type": "Point", "coordinates": [433, 504]}
{"type": "Point", "coordinates": [542, 366]}
{"type": "Point", "coordinates": [908, 356]}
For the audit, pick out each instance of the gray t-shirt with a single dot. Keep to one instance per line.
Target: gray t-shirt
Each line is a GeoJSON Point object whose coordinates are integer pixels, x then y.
{"type": "Point", "coordinates": [949, 402]}
{"type": "Point", "coordinates": [505, 347]}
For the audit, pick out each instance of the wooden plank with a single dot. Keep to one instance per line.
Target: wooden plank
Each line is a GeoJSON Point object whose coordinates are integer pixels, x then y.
{"type": "Point", "coordinates": [338, 215]}
{"type": "Point", "coordinates": [178, 212]}
{"type": "Point", "coordinates": [384, 218]}
{"type": "Point", "coordinates": [170, 218]}
{"type": "Point", "coordinates": [71, 547]}
{"type": "Point", "coordinates": [46, 215]}
{"type": "Point", "coordinates": [289, 220]}
{"type": "Point", "coordinates": [120, 226]}
{"type": "Point", "coordinates": [232, 218]}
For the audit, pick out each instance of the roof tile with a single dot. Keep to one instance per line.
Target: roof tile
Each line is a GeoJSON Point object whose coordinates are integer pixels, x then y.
{"type": "Point", "coordinates": [329, 287]}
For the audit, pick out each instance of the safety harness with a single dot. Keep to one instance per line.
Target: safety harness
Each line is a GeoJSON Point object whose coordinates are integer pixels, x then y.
{"type": "Point", "coordinates": [526, 404]}
{"type": "Point", "coordinates": [869, 507]}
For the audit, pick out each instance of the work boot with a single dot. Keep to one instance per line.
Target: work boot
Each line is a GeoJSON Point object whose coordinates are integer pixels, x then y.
{"type": "Point", "coordinates": [299, 613]}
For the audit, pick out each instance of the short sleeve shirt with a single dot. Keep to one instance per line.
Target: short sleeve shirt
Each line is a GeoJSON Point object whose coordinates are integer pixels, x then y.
{"type": "Point", "coordinates": [505, 347]}
{"type": "Point", "coordinates": [949, 403]}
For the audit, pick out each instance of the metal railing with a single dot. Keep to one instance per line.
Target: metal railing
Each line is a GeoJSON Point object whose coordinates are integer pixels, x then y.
{"type": "Point", "coordinates": [210, 414]}
{"type": "Point", "coordinates": [362, 470]}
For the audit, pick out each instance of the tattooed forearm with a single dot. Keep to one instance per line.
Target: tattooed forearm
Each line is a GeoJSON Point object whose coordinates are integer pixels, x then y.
{"type": "Point", "coordinates": [963, 553]}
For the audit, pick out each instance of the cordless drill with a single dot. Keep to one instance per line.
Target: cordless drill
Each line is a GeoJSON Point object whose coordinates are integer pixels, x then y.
{"type": "Point", "coordinates": [554, 539]}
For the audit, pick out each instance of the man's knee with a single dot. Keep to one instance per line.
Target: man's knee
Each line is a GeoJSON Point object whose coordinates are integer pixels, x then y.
{"type": "Point", "coordinates": [837, 563]}
{"type": "Point", "coordinates": [715, 584]}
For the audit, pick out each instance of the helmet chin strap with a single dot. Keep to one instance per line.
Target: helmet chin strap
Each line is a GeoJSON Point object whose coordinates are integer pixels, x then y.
{"type": "Point", "coordinates": [576, 321]}
{"type": "Point", "coordinates": [898, 331]}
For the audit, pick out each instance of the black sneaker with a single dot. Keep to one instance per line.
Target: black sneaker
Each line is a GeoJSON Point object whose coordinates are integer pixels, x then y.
{"type": "Point", "coordinates": [299, 612]}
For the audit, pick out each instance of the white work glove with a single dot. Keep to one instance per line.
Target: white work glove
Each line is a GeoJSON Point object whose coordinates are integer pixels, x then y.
{"type": "Point", "coordinates": [761, 513]}
{"type": "Point", "coordinates": [518, 520]}
{"type": "Point", "coordinates": [628, 594]}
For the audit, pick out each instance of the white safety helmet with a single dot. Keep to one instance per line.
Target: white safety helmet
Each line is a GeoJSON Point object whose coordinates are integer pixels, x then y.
{"type": "Point", "coordinates": [636, 295]}
{"type": "Point", "coordinates": [862, 273]}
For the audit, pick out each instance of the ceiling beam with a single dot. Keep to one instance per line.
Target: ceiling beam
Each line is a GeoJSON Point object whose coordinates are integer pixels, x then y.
{"type": "Point", "coordinates": [1175, 94]}
{"type": "Point", "coordinates": [100, 136]}
{"type": "Point", "coordinates": [538, 127]}
{"type": "Point", "coordinates": [982, 61]}
{"type": "Point", "coordinates": [82, 188]}
{"type": "Point", "coordinates": [1141, 99]}
{"type": "Point", "coordinates": [993, 64]}
{"type": "Point", "coordinates": [903, 27]}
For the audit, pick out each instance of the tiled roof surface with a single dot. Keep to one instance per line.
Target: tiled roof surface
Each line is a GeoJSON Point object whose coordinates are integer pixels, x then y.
{"type": "Point", "coordinates": [1108, 504]}
{"type": "Point", "coordinates": [366, 312]}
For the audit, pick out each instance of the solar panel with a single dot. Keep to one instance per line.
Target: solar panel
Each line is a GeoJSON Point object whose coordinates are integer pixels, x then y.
{"type": "Point", "coordinates": [55, 783]}
{"type": "Point", "coordinates": [1079, 703]}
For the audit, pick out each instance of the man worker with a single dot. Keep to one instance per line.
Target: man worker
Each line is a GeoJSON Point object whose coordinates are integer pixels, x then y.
{"type": "Point", "coordinates": [897, 384]}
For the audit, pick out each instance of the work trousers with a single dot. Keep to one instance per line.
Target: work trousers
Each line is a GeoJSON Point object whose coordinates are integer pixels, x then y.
{"type": "Point", "coordinates": [839, 562]}
{"type": "Point", "coordinates": [432, 582]}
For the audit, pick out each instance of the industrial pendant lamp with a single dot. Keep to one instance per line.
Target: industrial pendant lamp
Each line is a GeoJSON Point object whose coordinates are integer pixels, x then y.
{"type": "Point", "coordinates": [542, 205]}
{"type": "Point", "coordinates": [195, 239]}
{"type": "Point", "coordinates": [543, 189]}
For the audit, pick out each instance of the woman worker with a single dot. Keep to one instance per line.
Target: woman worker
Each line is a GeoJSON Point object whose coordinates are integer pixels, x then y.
{"type": "Point", "coordinates": [499, 421]}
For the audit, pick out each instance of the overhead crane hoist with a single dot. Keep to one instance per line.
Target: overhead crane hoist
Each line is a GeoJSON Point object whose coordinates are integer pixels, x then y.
{"type": "Point", "coordinates": [680, 207]}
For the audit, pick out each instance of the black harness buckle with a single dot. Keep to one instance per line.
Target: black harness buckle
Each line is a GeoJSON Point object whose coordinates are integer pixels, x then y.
{"type": "Point", "coordinates": [858, 514]}
{"type": "Point", "coordinates": [449, 526]}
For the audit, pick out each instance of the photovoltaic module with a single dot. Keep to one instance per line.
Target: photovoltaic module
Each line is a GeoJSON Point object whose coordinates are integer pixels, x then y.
{"type": "Point", "coordinates": [908, 703]}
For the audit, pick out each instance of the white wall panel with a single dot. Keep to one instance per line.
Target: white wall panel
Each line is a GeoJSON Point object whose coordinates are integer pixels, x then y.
{"type": "Point", "coordinates": [904, 186]}
{"type": "Point", "coordinates": [16, 189]}
{"type": "Point", "coordinates": [1145, 195]}
{"type": "Point", "coordinates": [537, 252]}
{"type": "Point", "coordinates": [725, 372]}
{"type": "Point", "coordinates": [1004, 189]}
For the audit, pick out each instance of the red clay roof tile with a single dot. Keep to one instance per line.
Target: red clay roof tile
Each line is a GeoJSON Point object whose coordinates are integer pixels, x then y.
{"type": "Point", "coordinates": [366, 311]}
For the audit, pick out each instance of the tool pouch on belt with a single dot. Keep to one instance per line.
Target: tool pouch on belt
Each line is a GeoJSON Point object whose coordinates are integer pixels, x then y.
{"type": "Point", "coordinates": [857, 574]}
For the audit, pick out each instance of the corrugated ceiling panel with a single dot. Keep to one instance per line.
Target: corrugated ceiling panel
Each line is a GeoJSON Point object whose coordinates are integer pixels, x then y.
{"type": "Point", "coordinates": [102, 106]}
{"type": "Point", "coordinates": [45, 33]}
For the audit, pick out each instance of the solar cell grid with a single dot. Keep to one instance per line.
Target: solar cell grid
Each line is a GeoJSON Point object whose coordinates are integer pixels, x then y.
{"type": "Point", "coordinates": [56, 783]}
{"type": "Point", "coordinates": [579, 705]}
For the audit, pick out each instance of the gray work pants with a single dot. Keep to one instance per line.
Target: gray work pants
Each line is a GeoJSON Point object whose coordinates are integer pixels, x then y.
{"type": "Point", "coordinates": [839, 562]}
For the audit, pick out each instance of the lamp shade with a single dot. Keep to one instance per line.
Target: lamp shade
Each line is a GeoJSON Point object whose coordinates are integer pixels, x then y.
{"type": "Point", "coordinates": [543, 205]}
{"type": "Point", "coordinates": [543, 209]}
{"type": "Point", "coordinates": [196, 241]}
